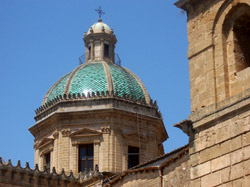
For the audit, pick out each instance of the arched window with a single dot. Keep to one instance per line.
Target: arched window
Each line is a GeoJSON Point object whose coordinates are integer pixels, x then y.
{"type": "Point", "coordinates": [236, 31]}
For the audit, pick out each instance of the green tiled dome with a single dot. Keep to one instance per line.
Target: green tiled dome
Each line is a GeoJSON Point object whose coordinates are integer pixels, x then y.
{"type": "Point", "coordinates": [98, 76]}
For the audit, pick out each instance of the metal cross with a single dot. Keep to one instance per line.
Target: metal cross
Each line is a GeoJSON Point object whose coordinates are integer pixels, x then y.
{"type": "Point", "coordinates": [99, 11]}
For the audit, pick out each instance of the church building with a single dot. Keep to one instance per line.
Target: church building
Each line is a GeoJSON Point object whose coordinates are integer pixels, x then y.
{"type": "Point", "coordinates": [98, 126]}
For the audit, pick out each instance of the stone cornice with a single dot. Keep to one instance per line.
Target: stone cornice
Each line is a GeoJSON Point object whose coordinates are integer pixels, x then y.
{"type": "Point", "coordinates": [93, 96]}
{"type": "Point", "coordinates": [229, 107]}
{"type": "Point", "coordinates": [45, 142]}
{"type": "Point", "coordinates": [56, 116]}
{"type": "Point", "coordinates": [185, 4]}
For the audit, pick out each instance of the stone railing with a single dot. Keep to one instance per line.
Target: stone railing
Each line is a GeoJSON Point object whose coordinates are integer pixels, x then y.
{"type": "Point", "coordinates": [25, 176]}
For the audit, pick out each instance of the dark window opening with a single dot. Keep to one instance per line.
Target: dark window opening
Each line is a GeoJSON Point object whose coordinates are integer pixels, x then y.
{"type": "Point", "coordinates": [47, 161]}
{"type": "Point", "coordinates": [241, 31]}
{"type": "Point", "coordinates": [106, 50]}
{"type": "Point", "coordinates": [89, 56]}
{"type": "Point", "coordinates": [85, 157]}
{"type": "Point", "coordinates": [133, 156]}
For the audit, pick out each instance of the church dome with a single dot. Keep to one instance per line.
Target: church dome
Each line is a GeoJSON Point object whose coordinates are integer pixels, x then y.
{"type": "Point", "coordinates": [100, 27]}
{"type": "Point", "coordinates": [99, 76]}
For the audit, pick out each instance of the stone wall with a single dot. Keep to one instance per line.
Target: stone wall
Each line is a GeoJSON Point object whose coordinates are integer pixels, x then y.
{"type": "Point", "coordinates": [220, 151]}
{"type": "Point", "coordinates": [214, 62]}
{"type": "Point", "coordinates": [178, 173]}
{"type": "Point", "coordinates": [147, 178]}
{"type": "Point", "coordinates": [169, 170]}
{"type": "Point", "coordinates": [220, 92]}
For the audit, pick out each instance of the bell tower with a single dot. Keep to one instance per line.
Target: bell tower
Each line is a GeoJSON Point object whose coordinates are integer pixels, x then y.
{"type": "Point", "coordinates": [219, 65]}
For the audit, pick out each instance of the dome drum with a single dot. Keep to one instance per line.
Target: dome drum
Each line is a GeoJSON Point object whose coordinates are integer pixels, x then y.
{"type": "Point", "coordinates": [97, 101]}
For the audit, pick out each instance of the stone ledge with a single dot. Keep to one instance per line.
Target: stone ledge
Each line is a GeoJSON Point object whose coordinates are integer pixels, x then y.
{"type": "Point", "coordinates": [229, 107]}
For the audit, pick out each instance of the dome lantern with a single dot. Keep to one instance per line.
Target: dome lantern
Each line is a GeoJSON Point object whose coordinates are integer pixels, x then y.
{"type": "Point", "coordinates": [99, 43]}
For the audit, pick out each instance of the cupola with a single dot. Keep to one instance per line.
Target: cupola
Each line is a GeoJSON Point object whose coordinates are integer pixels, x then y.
{"type": "Point", "coordinates": [99, 43]}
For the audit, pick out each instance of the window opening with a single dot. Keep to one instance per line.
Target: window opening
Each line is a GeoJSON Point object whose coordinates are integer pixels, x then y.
{"type": "Point", "coordinates": [47, 161]}
{"type": "Point", "coordinates": [133, 156]}
{"type": "Point", "coordinates": [89, 56]}
{"type": "Point", "coordinates": [106, 50]}
{"type": "Point", "coordinates": [241, 31]}
{"type": "Point", "coordinates": [85, 157]}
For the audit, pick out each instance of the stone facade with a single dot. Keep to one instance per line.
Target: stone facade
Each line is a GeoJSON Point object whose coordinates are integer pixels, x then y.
{"type": "Point", "coordinates": [219, 126]}
{"type": "Point", "coordinates": [111, 127]}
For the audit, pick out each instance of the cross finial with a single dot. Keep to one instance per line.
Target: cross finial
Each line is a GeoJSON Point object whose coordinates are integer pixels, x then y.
{"type": "Point", "coordinates": [99, 11]}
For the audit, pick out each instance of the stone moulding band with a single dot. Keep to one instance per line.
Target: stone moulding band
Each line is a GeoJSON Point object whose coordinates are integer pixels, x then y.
{"type": "Point", "coordinates": [94, 95]}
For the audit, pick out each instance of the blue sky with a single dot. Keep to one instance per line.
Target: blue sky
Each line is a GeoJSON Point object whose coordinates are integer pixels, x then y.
{"type": "Point", "coordinates": [41, 40]}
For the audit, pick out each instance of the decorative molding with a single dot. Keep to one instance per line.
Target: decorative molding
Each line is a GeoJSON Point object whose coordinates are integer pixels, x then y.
{"type": "Point", "coordinates": [65, 132]}
{"type": "Point", "coordinates": [85, 132]}
{"type": "Point", "coordinates": [46, 150]}
{"type": "Point", "coordinates": [106, 129]}
{"type": "Point", "coordinates": [45, 142]}
{"type": "Point", "coordinates": [65, 98]}
{"type": "Point", "coordinates": [26, 176]}
{"type": "Point", "coordinates": [56, 134]}
{"type": "Point", "coordinates": [186, 127]}
{"type": "Point", "coordinates": [96, 142]}
{"type": "Point", "coordinates": [36, 145]}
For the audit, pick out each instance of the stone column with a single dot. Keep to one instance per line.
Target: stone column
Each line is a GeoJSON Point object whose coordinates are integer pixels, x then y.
{"type": "Point", "coordinates": [55, 152]}
{"type": "Point", "coordinates": [112, 52]}
{"type": "Point", "coordinates": [63, 150]}
{"type": "Point", "coordinates": [105, 148]}
{"type": "Point", "coordinates": [36, 161]}
{"type": "Point", "coordinates": [96, 152]}
{"type": "Point", "coordinates": [86, 53]}
{"type": "Point", "coordinates": [92, 50]}
{"type": "Point", "coordinates": [102, 49]}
